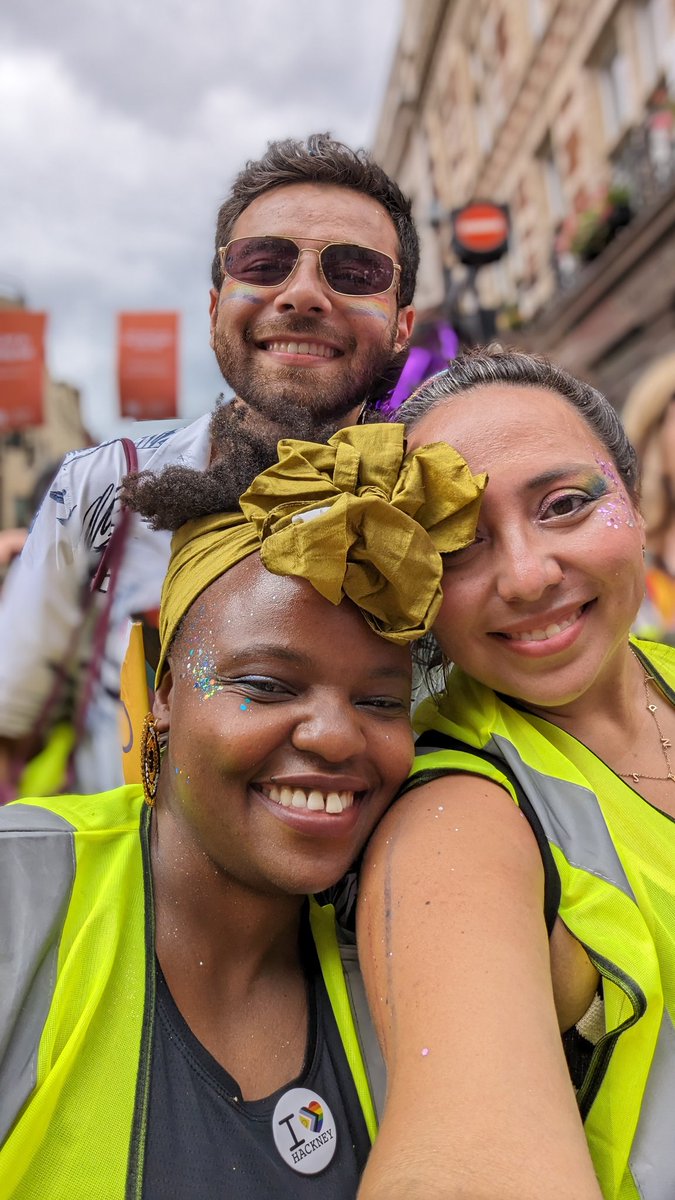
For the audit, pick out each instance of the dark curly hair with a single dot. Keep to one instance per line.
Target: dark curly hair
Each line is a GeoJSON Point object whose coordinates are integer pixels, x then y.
{"type": "Point", "coordinates": [321, 159]}
{"type": "Point", "coordinates": [171, 497]}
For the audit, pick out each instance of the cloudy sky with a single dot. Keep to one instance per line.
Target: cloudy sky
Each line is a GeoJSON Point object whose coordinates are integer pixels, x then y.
{"type": "Point", "coordinates": [123, 123]}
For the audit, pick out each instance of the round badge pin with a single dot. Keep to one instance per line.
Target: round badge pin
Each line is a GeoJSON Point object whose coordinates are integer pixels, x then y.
{"type": "Point", "coordinates": [305, 1133]}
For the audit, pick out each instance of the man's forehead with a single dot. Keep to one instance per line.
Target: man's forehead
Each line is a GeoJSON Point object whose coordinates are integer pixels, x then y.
{"type": "Point", "coordinates": [319, 212]}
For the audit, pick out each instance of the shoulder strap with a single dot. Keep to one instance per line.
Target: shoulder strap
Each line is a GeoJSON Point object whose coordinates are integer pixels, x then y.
{"type": "Point", "coordinates": [363, 1021]}
{"type": "Point", "coordinates": [111, 561]}
{"type": "Point", "coordinates": [112, 553]}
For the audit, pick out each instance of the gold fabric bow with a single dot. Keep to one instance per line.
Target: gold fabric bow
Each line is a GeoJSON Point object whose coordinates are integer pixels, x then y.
{"type": "Point", "coordinates": [356, 517]}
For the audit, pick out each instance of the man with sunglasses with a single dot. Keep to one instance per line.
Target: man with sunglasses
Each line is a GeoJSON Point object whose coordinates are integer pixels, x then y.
{"type": "Point", "coordinates": [313, 276]}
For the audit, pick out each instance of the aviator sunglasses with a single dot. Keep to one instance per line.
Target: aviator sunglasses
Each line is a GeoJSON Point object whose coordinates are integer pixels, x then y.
{"type": "Point", "coordinates": [348, 269]}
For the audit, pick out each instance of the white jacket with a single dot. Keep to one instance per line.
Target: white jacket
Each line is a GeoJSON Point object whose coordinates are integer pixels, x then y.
{"type": "Point", "coordinates": [41, 605]}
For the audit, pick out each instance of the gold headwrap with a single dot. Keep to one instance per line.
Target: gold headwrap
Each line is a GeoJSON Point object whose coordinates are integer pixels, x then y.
{"type": "Point", "coordinates": [356, 517]}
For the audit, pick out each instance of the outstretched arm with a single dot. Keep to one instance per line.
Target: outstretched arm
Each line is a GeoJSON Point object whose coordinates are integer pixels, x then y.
{"type": "Point", "coordinates": [454, 950]}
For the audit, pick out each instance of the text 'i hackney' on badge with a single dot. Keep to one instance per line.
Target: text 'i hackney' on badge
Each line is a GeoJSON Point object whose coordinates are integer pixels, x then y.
{"type": "Point", "coordinates": [304, 1130]}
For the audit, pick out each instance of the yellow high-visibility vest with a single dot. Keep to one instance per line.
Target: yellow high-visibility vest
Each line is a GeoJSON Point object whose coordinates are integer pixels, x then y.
{"type": "Point", "coordinates": [77, 996]}
{"type": "Point", "coordinates": [614, 856]}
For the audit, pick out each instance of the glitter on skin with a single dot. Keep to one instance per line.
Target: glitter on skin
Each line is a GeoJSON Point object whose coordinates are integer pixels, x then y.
{"type": "Point", "coordinates": [617, 509]}
{"type": "Point", "coordinates": [200, 666]}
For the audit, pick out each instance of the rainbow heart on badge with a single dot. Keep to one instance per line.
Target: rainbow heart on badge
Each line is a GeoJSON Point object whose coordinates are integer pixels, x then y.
{"type": "Point", "coordinates": [311, 1116]}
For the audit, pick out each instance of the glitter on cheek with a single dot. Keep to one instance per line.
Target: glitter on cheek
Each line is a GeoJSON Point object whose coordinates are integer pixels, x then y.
{"type": "Point", "coordinates": [200, 667]}
{"type": "Point", "coordinates": [611, 513]}
{"type": "Point", "coordinates": [616, 509]}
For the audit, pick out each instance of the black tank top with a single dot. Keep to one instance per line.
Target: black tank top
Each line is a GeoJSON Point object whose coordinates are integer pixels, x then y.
{"type": "Point", "coordinates": [204, 1141]}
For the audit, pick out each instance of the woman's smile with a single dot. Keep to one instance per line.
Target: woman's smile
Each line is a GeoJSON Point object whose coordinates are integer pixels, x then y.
{"type": "Point", "coordinates": [537, 606]}
{"type": "Point", "coordinates": [546, 634]}
{"type": "Point", "coordinates": [298, 741]}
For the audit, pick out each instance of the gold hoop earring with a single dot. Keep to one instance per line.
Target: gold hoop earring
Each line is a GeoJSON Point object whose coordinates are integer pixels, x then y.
{"type": "Point", "coordinates": [150, 760]}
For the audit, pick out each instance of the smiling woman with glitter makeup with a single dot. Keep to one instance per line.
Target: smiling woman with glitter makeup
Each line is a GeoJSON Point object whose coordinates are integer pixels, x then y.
{"type": "Point", "coordinates": [523, 888]}
{"type": "Point", "coordinates": [175, 1019]}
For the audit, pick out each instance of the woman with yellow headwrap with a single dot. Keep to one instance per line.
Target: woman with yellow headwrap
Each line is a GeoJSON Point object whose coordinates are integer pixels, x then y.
{"type": "Point", "coordinates": [174, 1013]}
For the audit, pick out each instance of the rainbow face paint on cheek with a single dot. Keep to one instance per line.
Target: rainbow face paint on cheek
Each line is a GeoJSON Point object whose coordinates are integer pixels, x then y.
{"type": "Point", "coordinates": [376, 307]}
{"type": "Point", "coordinates": [247, 293]}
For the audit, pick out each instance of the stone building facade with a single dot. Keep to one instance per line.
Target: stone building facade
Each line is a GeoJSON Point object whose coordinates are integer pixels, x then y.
{"type": "Point", "coordinates": [565, 111]}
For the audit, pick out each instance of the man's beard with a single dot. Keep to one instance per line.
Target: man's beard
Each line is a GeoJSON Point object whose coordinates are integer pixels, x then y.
{"type": "Point", "coordinates": [243, 448]}
{"type": "Point", "coordinates": [298, 403]}
{"type": "Point", "coordinates": [244, 436]}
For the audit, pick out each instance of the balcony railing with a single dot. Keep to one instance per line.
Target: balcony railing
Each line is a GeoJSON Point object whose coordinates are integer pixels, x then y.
{"type": "Point", "coordinates": [643, 168]}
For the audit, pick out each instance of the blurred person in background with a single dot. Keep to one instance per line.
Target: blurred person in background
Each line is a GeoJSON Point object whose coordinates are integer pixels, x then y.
{"type": "Point", "coordinates": [12, 540]}
{"type": "Point", "coordinates": [313, 276]}
{"type": "Point", "coordinates": [649, 421]}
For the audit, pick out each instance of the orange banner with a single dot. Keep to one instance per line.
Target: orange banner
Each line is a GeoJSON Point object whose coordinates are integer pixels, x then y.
{"type": "Point", "coordinates": [147, 364]}
{"type": "Point", "coordinates": [22, 368]}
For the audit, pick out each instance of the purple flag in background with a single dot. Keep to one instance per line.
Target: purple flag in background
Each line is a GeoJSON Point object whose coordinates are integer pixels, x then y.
{"type": "Point", "coordinates": [422, 361]}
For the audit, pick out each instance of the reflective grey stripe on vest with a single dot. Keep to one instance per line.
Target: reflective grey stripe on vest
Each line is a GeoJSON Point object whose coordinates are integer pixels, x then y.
{"type": "Point", "coordinates": [370, 1047]}
{"type": "Point", "coordinates": [37, 869]}
{"type": "Point", "coordinates": [652, 1158]}
{"type": "Point", "coordinates": [570, 817]}
{"type": "Point", "coordinates": [572, 820]}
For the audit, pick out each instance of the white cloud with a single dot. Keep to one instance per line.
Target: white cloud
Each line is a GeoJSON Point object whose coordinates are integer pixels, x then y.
{"type": "Point", "coordinates": [123, 126]}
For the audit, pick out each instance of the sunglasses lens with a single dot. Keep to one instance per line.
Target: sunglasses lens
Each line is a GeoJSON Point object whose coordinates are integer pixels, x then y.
{"type": "Point", "coordinates": [357, 270]}
{"type": "Point", "coordinates": [264, 261]}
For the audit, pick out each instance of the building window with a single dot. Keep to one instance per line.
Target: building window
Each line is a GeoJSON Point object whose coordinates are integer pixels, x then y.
{"type": "Point", "coordinates": [552, 179]}
{"type": "Point", "coordinates": [649, 17]}
{"type": "Point", "coordinates": [482, 116]}
{"type": "Point", "coordinates": [537, 14]}
{"type": "Point", "coordinates": [501, 39]}
{"type": "Point", "coordinates": [572, 152]}
{"type": "Point", "coordinates": [614, 83]}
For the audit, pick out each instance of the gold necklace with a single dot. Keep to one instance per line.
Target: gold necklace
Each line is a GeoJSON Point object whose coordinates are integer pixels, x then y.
{"type": "Point", "coordinates": [636, 776]}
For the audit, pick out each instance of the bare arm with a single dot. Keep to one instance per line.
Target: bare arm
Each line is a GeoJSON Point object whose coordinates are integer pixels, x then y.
{"type": "Point", "coordinates": [455, 955]}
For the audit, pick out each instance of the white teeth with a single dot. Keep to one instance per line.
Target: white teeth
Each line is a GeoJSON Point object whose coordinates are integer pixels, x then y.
{"type": "Point", "coordinates": [312, 798]}
{"type": "Point", "coordinates": [542, 635]}
{"type": "Point", "coordinates": [301, 348]}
